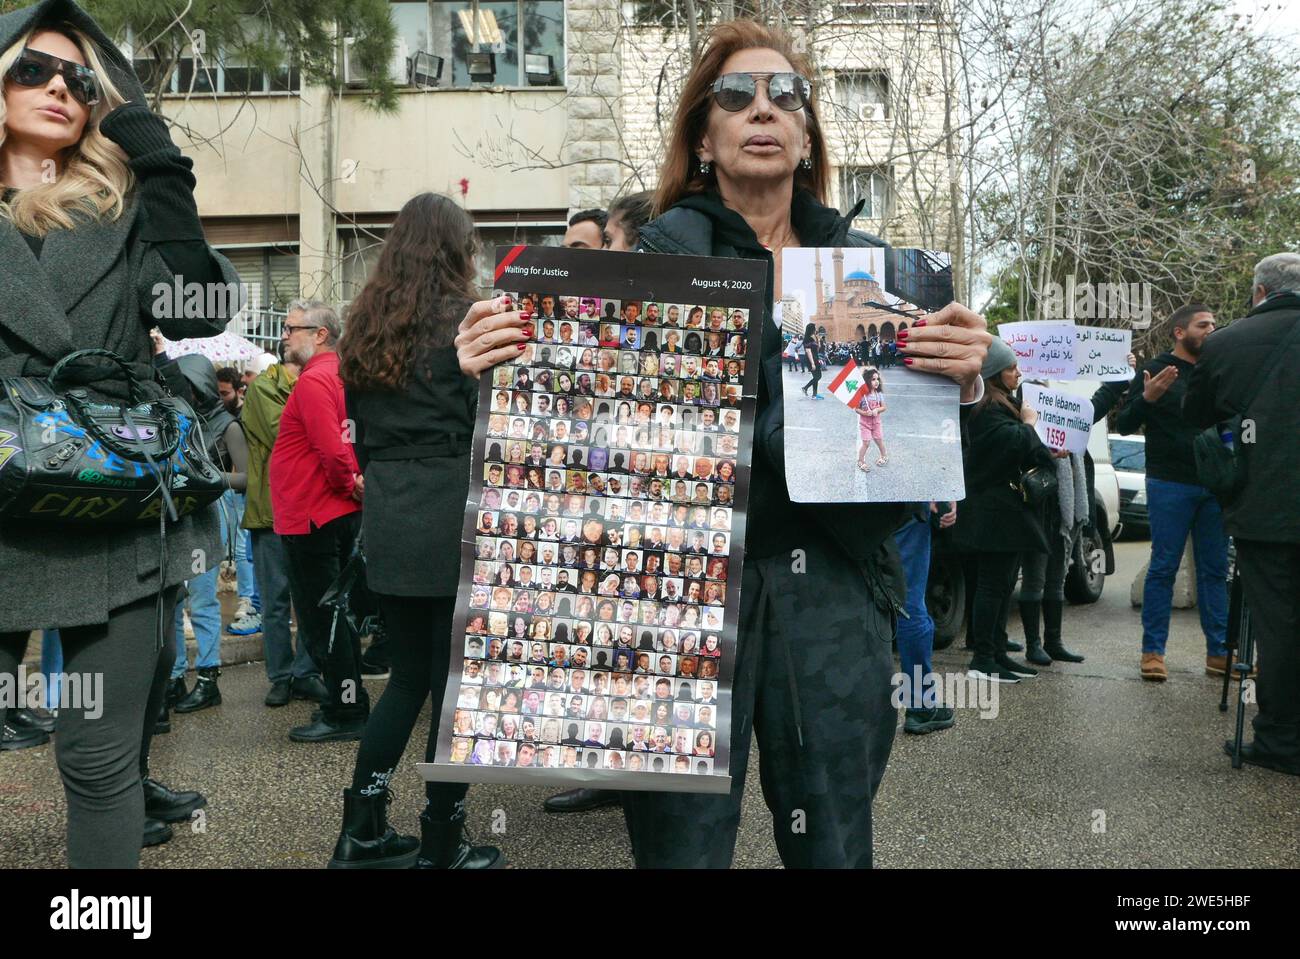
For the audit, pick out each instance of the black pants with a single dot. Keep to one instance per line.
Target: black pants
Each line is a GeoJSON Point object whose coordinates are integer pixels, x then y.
{"type": "Point", "coordinates": [812, 681]}
{"type": "Point", "coordinates": [816, 376]}
{"type": "Point", "coordinates": [102, 747]}
{"type": "Point", "coordinates": [419, 641]}
{"type": "Point", "coordinates": [315, 560]}
{"type": "Point", "coordinates": [1270, 576]}
{"type": "Point", "coordinates": [995, 581]}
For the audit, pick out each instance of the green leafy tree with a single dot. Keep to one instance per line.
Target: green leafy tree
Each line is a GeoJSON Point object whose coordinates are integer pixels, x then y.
{"type": "Point", "coordinates": [300, 38]}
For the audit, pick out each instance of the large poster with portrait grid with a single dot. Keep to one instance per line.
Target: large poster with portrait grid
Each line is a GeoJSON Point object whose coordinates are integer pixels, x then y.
{"type": "Point", "coordinates": [595, 633]}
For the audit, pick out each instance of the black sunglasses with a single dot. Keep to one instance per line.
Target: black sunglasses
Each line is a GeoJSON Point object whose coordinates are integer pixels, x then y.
{"type": "Point", "coordinates": [35, 69]}
{"type": "Point", "coordinates": [735, 91]}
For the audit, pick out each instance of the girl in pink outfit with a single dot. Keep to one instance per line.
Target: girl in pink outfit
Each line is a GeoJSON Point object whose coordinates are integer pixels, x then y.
{"type": "Point", "coordinates": [870, 408]}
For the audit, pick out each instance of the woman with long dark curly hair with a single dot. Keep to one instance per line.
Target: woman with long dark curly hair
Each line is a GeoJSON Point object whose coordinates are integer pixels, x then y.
{"type": "Point", "coordinates": [414, 416]}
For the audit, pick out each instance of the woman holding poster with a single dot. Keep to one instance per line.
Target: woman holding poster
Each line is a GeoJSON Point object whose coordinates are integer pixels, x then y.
{"type": "Point", "coordinates": [994, 523]}
{"type": "Point", "coordinates": [746, 172]}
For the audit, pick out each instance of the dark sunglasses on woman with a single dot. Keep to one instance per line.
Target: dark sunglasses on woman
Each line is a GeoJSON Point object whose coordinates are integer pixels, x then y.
{"type": "Point", "coordinates": [735, 91]}
{"type": "Point", "coordinates": [34, 69]}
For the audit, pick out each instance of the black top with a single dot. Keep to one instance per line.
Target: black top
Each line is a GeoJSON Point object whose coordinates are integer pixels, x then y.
{"type": "Point", "coordinates": [810, 343]}
{"type": "Point", "coordinates": [1230, 366]}
{"type": "Point", "coordinates": [414, 449]}
{"type": "Point", "coordinates": [1168, 436]}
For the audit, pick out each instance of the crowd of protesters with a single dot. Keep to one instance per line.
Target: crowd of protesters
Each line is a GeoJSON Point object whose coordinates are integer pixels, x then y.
{"type": "Point", "coordinates": [344, 457]}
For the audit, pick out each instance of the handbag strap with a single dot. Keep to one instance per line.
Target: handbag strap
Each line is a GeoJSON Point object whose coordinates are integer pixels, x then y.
{"type": "Point", "coordinates": [134, 392]}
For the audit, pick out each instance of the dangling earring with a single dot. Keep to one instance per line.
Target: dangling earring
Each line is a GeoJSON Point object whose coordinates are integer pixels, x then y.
{"type": "Point", "coordinates": [807, 163]}
{"type": "Point", "coordinates": [705, 167]}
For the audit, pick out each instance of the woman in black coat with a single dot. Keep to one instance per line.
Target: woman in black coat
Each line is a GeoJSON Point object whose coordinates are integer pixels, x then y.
{"type": "Point", "coordinates": [414, 417]}
{"type": "Point", "coordinates": [994, 524]}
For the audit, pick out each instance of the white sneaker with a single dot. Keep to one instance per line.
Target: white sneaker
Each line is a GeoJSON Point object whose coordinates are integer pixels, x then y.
{"type": "Point", "coordinates": [245, 625]}
{"type": "Point", "coordinates": [244, 608]}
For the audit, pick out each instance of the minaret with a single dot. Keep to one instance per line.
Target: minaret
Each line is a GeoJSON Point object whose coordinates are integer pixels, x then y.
{"type": "Point", "coordinates": [818, 292]}
{"type": "Point", "coordinates": [840, 308]}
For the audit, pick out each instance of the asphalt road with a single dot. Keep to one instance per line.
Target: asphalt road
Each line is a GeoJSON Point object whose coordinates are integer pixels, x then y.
{"type": "Point", "coordinates": [920, 426]}
{"type": "Point", "coordinates": [1084, 766]}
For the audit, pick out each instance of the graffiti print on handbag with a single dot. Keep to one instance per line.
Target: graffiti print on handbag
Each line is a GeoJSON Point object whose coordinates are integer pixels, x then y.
{"type": "Point", "coordinates": [66, 458]}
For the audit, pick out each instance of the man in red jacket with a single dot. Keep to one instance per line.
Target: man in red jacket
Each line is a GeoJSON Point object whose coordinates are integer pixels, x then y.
{"type": "Point", "coordinates": [316, 494]}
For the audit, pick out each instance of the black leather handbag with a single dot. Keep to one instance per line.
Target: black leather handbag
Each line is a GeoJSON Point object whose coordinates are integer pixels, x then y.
{"type": "Point", "coordinates": [65, 458]}
{"type": "Point", "coordinates": [1036, 485]}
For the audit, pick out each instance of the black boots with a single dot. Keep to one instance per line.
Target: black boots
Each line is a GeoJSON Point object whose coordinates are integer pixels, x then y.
{"type": "Point", "coordinates": [176, 691]}
{"type": "Point", "coordinates": [205, 692]}
{"type": "Point", "coordinates": [1052, 612]}
{"type": "Point", "coordinates": [367, 841]}
{"type": "Point", "coordinates": [167, 805]}
{"type": "Point", "coordinates": [1030, 609]}
{"type": "Point", "coordinates": [444, 845]}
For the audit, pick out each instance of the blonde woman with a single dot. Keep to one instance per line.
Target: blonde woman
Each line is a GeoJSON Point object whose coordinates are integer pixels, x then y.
{"type": "Point", "coordinates": [96, 211]}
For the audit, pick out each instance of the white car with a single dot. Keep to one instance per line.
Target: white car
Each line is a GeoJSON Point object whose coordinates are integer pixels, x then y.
{"type": "Point", "coordinates": [1129, 455]}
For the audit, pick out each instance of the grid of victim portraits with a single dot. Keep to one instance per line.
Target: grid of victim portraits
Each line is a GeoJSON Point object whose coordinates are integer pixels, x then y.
{"type": "Point", "coordinates": [603, 540]}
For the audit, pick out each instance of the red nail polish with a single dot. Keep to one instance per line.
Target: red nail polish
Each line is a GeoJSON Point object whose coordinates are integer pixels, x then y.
{"type": "Point", "coordinates": [522, 345]}
{"type": "Point", "coordinates": [902, 335]}
{"type": "Point", "coordinates": [908, 360]}
{"type": "Point", "coordinates": [918, 323]}
{"type": "Point", "coordinates": [528, 331]}
{"type": "Point", "coordinates": [525, 316]}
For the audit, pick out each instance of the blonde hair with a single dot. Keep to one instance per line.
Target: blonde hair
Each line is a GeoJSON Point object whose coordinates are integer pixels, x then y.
{"type": "Point", "coordinates": [95, 177]}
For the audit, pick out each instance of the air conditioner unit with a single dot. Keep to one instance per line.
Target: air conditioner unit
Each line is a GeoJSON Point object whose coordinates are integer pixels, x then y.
{"type": "Point", "coordinates": [871, 111]}
{"type": "Point", "coordinates": [399, 68]}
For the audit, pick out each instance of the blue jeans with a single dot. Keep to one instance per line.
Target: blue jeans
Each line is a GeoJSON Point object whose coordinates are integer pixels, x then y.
{"type": "Point", "coordinates": [272, 567]}
{"type": "Point", "coordinates": [205, 615]}
{"type": "Point", "coordinates": [1174, 510]}
{"type": "Point", "coordinates": [51, 665]}
{"type": "Point", "coordinates": [916, 633]}
{"type": "Point", "coordinates": [232, 512]}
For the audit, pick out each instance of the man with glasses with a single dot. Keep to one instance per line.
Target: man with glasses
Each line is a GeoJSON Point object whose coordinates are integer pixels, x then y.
{"type": "Point", "coordinates": [316, 495]}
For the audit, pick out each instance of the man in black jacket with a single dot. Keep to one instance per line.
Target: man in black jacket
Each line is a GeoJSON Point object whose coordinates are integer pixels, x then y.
{"type": "Point", "coordinates": [1263, 518]}
{"type": "Point", "coordinates": [1176, 501]}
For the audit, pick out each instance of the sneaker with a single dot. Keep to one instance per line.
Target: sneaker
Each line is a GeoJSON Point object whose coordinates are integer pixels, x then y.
{"type": "Point", "coordinates": [1153, 668]}
{"type": "Point", "coordinates": [246, 625]}
{"type": "Point", "coordinates": [244, 607]}
{"type": "Point", "coordinates": [920, 721]}
{"type": "Point", "coordinates": [1011, 666]}
{"type": "Point", "coordinates": [991, 672]}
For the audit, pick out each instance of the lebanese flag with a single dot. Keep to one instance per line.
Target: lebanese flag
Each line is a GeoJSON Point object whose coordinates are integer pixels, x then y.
{"type": "Point", "coordinates": [849, 385]}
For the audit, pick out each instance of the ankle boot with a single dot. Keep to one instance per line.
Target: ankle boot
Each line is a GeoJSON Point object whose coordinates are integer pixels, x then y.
{"type": "Point", "coordinates": [176, 690]}
{"type": "Point", "coordinates": [444, 845]}
{"type": "Point", "coordinates": [163, 721]}
{"type": "Point", "coordinates": [205, 692]}
{"type": "Point", "coordinates": [366, 840]}
{"type": "Point", "coordinates": [1052, 612]}
{"type": "Point", "coordinates": [1029, 612]}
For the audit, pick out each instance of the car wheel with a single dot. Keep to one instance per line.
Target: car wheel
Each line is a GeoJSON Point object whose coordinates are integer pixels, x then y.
{"type": "Point", "coordinates": [1087, 576]}
{"type": "Point", "coordinates": [945, 598]}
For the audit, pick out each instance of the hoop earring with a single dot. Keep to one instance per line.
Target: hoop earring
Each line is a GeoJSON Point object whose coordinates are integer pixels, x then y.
{"type": "Point", "coordinates": [806, 163]}
{"type": "Point", "coordinates": [705, 167]}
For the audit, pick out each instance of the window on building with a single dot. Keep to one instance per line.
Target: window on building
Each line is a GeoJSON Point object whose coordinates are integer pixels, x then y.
{"type": "Point", "coordinates": [525, 39]}
{"type": "Point", "coordinates": [872, 184]}
{"type": "Point", "coordinates": [868, 10]}
{"type": "Point", "coordinates": [862, 95]}
{"type": "Point", "coordinates": [216, 72]}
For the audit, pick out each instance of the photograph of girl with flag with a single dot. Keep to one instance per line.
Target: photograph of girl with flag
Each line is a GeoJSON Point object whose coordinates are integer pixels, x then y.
{"type": "Point", "coordinates": [870, 407]}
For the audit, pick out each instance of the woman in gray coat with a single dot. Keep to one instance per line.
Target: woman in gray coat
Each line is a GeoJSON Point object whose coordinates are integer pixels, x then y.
{"type": "Point", "coordinates": [98, 226]}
